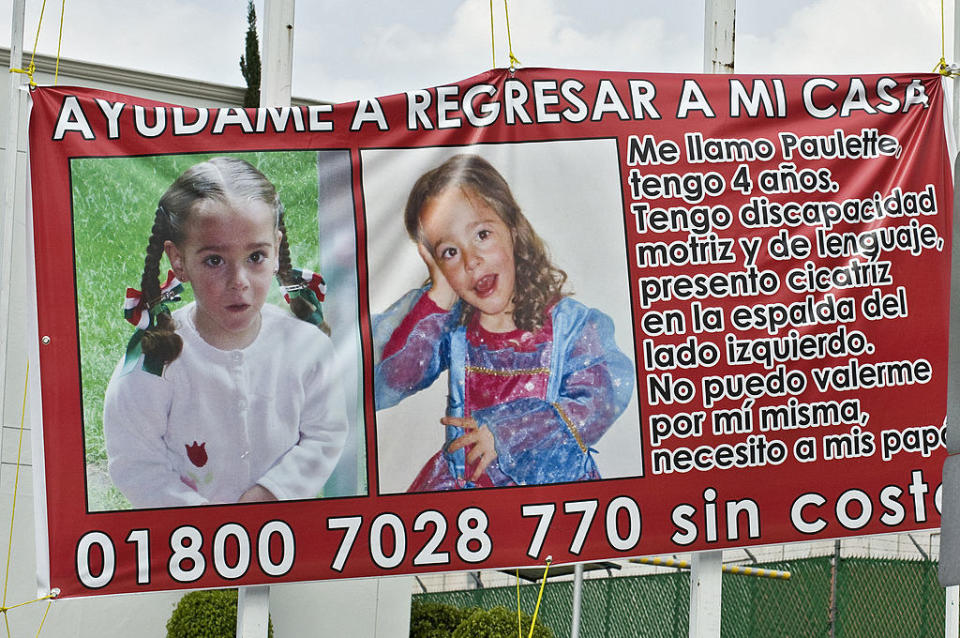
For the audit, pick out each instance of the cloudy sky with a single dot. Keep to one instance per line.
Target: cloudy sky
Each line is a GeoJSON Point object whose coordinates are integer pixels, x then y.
{"type": "Point", "coordinates": [346, 49]}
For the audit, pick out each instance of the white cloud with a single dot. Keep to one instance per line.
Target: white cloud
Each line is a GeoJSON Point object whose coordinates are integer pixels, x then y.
{"type": "Point", "coordinates": [848, 36]}
{"type": "Point", "coordinates": [202, 40]}
{"type": "Point", "coordinates": [345, 50]}
{"type": "Point", "coordinates": [634, 41]}
{"type": "Point", "coordinates": [395, 56]}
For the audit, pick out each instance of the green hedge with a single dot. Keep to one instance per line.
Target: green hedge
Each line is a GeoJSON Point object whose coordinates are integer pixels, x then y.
{"type": "Point", "coordinates": [441, 620]}
{"type": "Point", "coordinates": [208, 613]}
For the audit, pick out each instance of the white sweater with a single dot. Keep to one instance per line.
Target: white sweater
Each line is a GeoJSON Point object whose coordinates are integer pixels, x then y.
{"type": "Point", "coordinates": [218, 422]}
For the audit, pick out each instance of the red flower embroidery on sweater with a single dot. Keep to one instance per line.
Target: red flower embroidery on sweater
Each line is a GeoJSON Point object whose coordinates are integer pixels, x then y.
{"type": "Point", "coordinates": [197, 454]}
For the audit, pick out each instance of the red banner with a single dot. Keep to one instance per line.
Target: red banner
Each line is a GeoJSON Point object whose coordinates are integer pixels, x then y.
{"type": "Point", "coordinates": [552, 313]}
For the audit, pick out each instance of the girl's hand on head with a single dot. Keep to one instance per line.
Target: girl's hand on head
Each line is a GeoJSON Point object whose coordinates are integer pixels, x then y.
{"type": "Point", "coordinates": [441, 292]}
{"type": "Point", "coordinates": [483, 451]}
{"type": "Point", "coordinates": [257, 494]}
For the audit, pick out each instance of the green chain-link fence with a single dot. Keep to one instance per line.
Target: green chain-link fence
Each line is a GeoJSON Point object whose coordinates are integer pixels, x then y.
{"type": "Point", "coordinates": [889, 599]}
{"type": "Point", "coordinates": [874, 598]}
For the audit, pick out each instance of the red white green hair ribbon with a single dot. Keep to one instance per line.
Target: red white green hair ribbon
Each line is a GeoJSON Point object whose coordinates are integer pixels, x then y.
{"type": "Point", "coordinates": [310, 287]}
{"type": "Point", "coordinates": [143, 314]}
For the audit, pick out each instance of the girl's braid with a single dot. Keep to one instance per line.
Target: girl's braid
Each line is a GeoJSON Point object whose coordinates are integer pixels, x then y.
{"type": "Point", "coordinates": [284, 273]}
{"type": "Point", "coordinates": [159, 341]}
{"type": "Point", "coordinates": [299, 306]}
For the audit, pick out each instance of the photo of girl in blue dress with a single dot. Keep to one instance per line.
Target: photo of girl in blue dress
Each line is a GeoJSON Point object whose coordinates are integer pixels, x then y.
{"type": "Point", "coordinates": [534, 378]}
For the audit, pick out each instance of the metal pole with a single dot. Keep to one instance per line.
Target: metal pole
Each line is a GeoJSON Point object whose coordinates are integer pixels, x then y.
{"type": "Point", "coordinates": [726, 569]}
{"type": "Point", "coordinates": [834, 572]}
{"type": "Point", "coordinates": [253, 603]}
{"type": "Point", "coordinates": [706, 567]}
{"type": "Point", "coordinates": [956, 59]}
{"type": "Point", "coordinates": [473, 580]}
{"type": "Point", "coordinates": [718, 35]}
{"type": "Point", "coordinates": [253, 611]}
{"type": "Point", "coordinates": [9, 184]}
{"type": "Point", "coordinates": [705, 577]}
{"type": "Point", "coordinates": [277, 71]}
{"type": "Point", "coordinates": [577, 596]}
{"type": "Point", "coordinates": [952, 616]}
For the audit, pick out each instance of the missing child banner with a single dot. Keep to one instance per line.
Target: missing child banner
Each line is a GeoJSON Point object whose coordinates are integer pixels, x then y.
{"type": "Point", "coordinates": [538, 313]}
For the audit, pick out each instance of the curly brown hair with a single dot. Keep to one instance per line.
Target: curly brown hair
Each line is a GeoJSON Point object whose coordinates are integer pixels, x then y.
{"type": "Point", "coordinates": [538, 283]}
{"type": "Point", "coordinates": [218, 179]}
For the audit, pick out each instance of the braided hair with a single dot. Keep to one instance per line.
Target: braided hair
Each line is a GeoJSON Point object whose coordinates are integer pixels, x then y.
{"type": "Point", "coordinates": [218, 179]}
{"type": "Point", "coordinates": [538, 283]}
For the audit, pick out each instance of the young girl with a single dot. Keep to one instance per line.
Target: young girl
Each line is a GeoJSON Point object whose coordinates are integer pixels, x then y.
{"type": "Point", "coordinates": [226, 399]}
{"type": "Point", "coordinates": [535, 378]}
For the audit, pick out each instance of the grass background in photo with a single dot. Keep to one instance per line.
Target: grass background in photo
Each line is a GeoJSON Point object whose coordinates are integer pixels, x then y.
{"type": "Point", "coordinates": [114, 201]}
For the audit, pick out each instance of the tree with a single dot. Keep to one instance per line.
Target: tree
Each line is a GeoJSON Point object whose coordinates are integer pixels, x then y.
{"type": "Point", "coordinates": [250, 61]}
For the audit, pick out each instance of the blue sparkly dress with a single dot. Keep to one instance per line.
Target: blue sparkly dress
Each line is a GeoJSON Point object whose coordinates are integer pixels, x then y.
{"type": "Point", "coordinates": [546, 396]}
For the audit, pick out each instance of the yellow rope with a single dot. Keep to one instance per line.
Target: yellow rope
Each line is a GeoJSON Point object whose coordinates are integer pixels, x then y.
{"type": "Point", "coordinates": [29, 602]}
{"type": "Point", "coordinates": [16, 481]}
{"type": "Point", "coordinates": [32, 67]}
{"type": "Point", "coordinates": [942, 68]}
{"type": "Point", "coordinates": [493, 46]}
{"type": "Point", "coordinates": [4, 608]}
{"type": "Point", "coordinates": [56, 69]}
{"type": "Point", "coordinates": [514, 62]}
{"type": "Point", "coordinates": [27, 71]}
{"type": "Point", "coordinates": [536, 609]}
{"type": "Point", "coordinates": [44, 618]}
{"type": "Point", "coordinates": [519, 630]}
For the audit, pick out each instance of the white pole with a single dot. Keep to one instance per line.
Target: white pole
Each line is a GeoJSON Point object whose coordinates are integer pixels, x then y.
{"type": "Point", "coordinates": [951, 620]}
{"type": "Point", "coordinates": [952, 616]}
{"type": "Point", "coordinates": [956, 90]}
{"type": "Point", "coordinates": [276, 73]}
{"type": "Point", "coordinates": [718, 35]}
{"type": "Point", "coordinates": [277, 67]}
{"type": "Point", "coordinates": [9, 185]}
{"type": "Point", "coordinates": [706, 568]}
{"type": "Point", "coordinates": [705, 576]}
{"type": "Point", "coordinates": [577, 596]}
{"type": "Point", "coordinates": [253, 611]}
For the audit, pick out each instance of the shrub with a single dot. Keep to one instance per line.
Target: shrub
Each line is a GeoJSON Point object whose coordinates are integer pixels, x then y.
{"type": "Point", "coordinates": [435, 620]}
{"type": "Point", "coordinates": [498, 622]}
{"type": "Point", "coordinates": [208, 613]}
